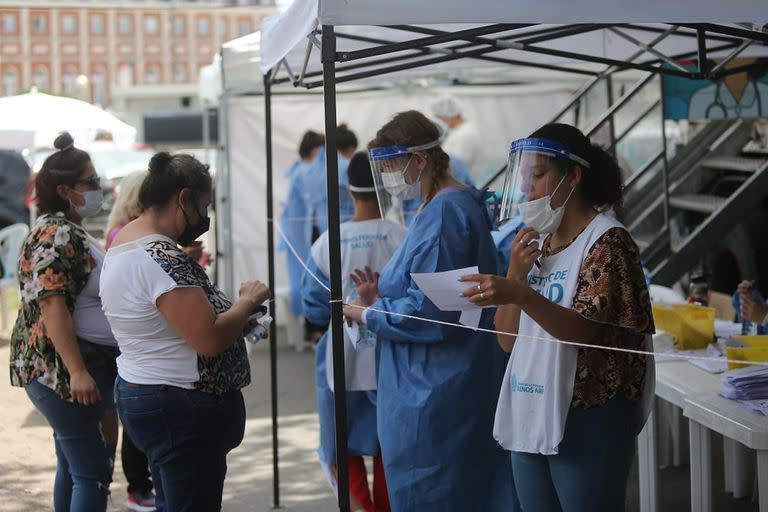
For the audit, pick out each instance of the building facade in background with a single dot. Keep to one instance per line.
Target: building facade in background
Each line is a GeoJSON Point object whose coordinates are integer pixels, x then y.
{"type": "Point", "coordinates": [109, 52]}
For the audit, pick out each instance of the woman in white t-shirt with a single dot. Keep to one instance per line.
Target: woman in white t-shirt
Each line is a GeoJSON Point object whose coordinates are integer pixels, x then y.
{"type": "Point", "coordinates": [183, 359]}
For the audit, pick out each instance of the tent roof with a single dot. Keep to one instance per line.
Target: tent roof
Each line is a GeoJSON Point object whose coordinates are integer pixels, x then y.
{"type": "Point", "coordinates": [572, 37]}
{"type": "Point", "coordinates": [395, 12]}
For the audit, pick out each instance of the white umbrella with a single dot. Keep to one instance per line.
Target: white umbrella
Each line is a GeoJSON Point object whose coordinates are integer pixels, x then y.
{"type": "Point", "coordinates": [47, 116]}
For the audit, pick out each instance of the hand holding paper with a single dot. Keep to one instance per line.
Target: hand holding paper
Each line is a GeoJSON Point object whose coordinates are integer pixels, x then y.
{"type": "Point", "coordinates": [446, 290]}
{"type": "Point", "coordinates": [493, 290]}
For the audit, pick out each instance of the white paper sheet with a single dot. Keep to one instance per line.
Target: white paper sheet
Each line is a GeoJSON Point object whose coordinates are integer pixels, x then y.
{"type": "Point", "coordinates": [331, 480]}
{"type": "Point", "coordinates": [352, 332]}
{"type": "Point", "coordinates": [711, 365]}
{"type": "Point", "coordinates": [445, 291]}
{"type": "Point", "coordinates": [471, 317]}
{"type": "Point", "coordinates": [444, 288]}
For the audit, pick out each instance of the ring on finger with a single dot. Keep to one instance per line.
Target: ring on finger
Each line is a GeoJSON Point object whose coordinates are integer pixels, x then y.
{"type": "Point", "coordinates": [482, 295]}
{"type": "Point", "coordinates": [479, 288]}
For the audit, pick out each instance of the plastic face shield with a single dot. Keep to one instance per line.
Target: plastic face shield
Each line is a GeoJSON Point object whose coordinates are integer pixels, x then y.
{"type": "Point", "coordinates": [534, 170]}
{"type": "Point", "coordinates": [387, 166]}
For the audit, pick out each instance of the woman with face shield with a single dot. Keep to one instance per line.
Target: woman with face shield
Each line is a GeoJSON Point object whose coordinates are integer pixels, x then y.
{"type": "Point", "coordinates": [568, 414]}
{"type": "Point", "coordinates": [183, 360]}
{"type": "Point", "coordinates": [438, 385]}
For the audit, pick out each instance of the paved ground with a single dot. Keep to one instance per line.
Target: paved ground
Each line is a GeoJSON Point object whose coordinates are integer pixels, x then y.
{"type": "Point", "coordinates": [27, 462]}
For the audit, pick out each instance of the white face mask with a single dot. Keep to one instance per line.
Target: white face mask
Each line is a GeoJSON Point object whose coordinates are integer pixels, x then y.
{"type": "Point", "coordinates": [92, 205]}
{"type": "Point", "coordinates": [397, 186]}
{"type": "Point", "coordinates": [539, 214]}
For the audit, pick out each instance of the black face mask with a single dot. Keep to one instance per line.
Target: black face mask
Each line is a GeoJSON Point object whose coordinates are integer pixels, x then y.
{"type": "Point", "coordinates": [192, 231]}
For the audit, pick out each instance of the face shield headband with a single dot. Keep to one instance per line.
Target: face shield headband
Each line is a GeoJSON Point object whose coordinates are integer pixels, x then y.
{"type": "Point", "coordinates": [523, 169]}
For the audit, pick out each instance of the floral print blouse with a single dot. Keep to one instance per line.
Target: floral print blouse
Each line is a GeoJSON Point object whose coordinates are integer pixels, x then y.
{"type": "Point", "coordinates": [611, 291]}
{"type": "Point", "coordinates": [55, 260]}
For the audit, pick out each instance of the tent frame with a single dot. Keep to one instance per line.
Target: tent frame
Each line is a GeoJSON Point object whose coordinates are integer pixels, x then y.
{"type": "Point", "coordinates": [475, 43]}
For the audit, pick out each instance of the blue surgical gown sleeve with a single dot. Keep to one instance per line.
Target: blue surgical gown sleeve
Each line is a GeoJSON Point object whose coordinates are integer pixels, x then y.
{"type": "Point", "coordinates": [432, 241]}
{"type": "Point", "coordinates": [316, 299]}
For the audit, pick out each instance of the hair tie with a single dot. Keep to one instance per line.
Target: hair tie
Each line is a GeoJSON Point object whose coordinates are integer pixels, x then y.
{"type": "Point", "coordinates": [69, 146]}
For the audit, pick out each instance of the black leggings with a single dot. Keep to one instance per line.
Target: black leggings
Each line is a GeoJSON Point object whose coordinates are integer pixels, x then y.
{"type": "Point", "coordinates": [135, 467]}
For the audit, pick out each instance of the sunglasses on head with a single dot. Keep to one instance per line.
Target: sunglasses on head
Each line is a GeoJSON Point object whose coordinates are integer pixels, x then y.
{"type": "Point", "coordinates": [93, 182]}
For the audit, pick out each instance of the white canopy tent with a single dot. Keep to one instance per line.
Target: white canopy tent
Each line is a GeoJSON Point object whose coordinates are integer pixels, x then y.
{"type": "Point", "coordinates": [46, 116]}
{"type": "Point", "coordinates": [344, 41]}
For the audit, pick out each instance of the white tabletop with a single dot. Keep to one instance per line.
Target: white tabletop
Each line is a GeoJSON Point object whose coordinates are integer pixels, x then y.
{"type": "Point", "coordinates": [676, 379]}
{"type": "Point", "coordinates": [728, 418]}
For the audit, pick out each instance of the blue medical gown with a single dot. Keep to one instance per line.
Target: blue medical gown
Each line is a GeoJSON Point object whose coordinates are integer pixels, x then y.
{"type": "Point", "coordinates": [297, 229]}
{"type": "Point", "coordinates": [312, 187]}
{"type": "Point", "coordinates": [503, 238]}
{"type": "Point", "coordinates": [361, 405]}
{"type": "Point", "coordinates": [438, 385]}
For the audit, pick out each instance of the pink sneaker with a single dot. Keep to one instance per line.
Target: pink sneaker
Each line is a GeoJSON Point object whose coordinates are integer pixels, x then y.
{"type": "Point", "coordinates": [141, 502]}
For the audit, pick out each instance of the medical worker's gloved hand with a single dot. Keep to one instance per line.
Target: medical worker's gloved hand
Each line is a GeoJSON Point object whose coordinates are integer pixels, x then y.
{"type": "Point", "coordinates": [753, 307]}
{"type": "Point", "coordinates": [367, 283]}
{"type": "Point", "coordinates": [523, 254]}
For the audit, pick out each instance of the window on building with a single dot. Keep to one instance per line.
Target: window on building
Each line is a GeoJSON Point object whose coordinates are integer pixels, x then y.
{"type": "Point", "coordinates": [68, 24]}
{"type": "Point", "coordinates": [125, 75]}
{"type": "Point", "coordinates": [99, 85]}
{"type": "Point", "coordinates": [244, 27]}
{"type": "Point", "coordinates": [221, 28]}
{"type": "Point", "coordinates": [97, 25]}
{"type": "Point", "coordinates": [10, 82]}
{"type": "Point", "coordinates": [180, 74]}
{"type": "Point", "coordinates": [39, 24]}
{"type": "Point", "coordinates": [203, 26]}
{"type": "Point", "coordinates": [41, 78]}
{"type": "Point", "coordinates": [179, 25]}
{"type": "Point", "coordinates": [151, 25]}
{"type": "Point", "coordinates": [125, 24]}
{"type": "Point", "coordinates": [152, 75]}
{"type": "Point", "coordinates": [9, 23]}
{"type": "Point", "coordinates": [69, 81]}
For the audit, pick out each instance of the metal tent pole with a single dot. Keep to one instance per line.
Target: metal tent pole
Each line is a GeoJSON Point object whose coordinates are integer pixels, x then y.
{"type": "Point", "coordinates": [271, 278]}
{"type": "Point", "coordinates": [332, 183]}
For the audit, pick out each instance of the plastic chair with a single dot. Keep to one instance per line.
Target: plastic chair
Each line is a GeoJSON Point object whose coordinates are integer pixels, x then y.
{"type": "Point", "coordinates": [11, 242]}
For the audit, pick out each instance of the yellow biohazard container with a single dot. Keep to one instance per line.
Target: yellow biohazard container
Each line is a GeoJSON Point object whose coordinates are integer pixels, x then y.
{"type": "Point", "coordinates": [751, 354]}
{"type": "Point", "coordinates": [755, 341]}
{"type": "Point", "coordinates": [692, 326]}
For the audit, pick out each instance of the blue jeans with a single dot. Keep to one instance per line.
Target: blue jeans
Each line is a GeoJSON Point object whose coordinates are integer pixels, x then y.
{"type": "Point", "coordinates": [590, 471]}
{"type": "Point", "coordinates": [83, 466]}
{"type": "Point", "coordinates": [186, 435]}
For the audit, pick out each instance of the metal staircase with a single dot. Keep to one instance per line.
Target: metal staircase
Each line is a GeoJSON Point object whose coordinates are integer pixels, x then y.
{"type": "Point", "coordinates": [680, 199]}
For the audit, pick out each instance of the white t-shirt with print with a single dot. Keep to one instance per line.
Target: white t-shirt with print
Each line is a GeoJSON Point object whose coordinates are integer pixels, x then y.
{"type": "Point", "coordinates": [151, 350]}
